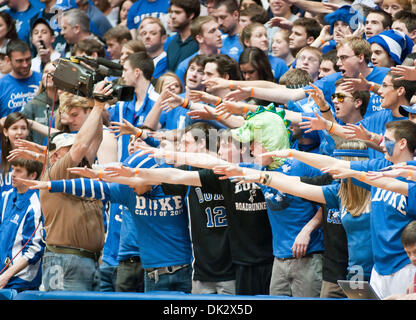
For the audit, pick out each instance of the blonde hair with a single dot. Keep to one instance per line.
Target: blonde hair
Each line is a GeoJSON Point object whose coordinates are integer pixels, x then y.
{"type": "Point", "coordinates": [162, 80]}
{"type": "Point", "coordinates": [67, 101]}
{"type": "Point", "coordinates": [247, 32]}
{"type": "Point", "coordinates": [355, 199]}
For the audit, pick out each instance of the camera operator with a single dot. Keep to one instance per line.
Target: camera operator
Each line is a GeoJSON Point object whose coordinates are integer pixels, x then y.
{"type": "Point", "coordinates": [19, 86]}
{"type": "Point", "coordinates": [74, 226]}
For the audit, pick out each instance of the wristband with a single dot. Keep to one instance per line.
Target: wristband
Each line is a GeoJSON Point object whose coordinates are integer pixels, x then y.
{"type": "Point", "coordinates": [136, 172]}
{"type": "Point", "coordinates": [49, 185]}
{"type": "Point", "coordinates": [381, 140]}
{"type": "Point", "coordinates": [252, 92]}
{"type": "Point", "coordinates": [322, 41]}
{"type": "Point", "coordinates": [218, 102]}
{"type": "Point", "coordinates": [323, 111]}
{"type": "Point", "coordinates": [185, 103]}
{"type": "Point", "coordinates": [290, 154]}
{"type": "Point", "coordinates": [409, 175]}
{"type": "Point", "coordinates": [100, 175]}
{"type": "Point", "coordinates": [219, 117]}
{"type": "Point", "coordinates": [231, 84]}
{"type": "Point", "coordinates": [332, 129]}
{"type": "Point", "coordinates": [362, 176]}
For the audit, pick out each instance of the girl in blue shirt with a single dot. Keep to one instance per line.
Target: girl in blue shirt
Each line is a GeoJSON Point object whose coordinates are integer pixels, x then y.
{"type": "Point", "coordinates": [15, 127]}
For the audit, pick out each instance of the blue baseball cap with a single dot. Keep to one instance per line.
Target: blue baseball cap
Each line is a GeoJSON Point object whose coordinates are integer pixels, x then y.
{"type": "Point", "coordinates": [405, 110]}
{"type": "Point", "coordinates": [65, 4]}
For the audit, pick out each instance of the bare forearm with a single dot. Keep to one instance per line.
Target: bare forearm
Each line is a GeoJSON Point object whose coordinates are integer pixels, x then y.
{"type": "Point", "coordinates": [279, 94]}
{"type": "Point", "coordinates": [386, 183]}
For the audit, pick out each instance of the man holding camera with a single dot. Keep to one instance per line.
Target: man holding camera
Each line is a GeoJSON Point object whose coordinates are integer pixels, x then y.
{"type": "Point", "coordinates": [19, 86]}
{"type": "Point", "coordinates": [74, 226]}
{"type": "Point", "coordinates": [137, 72]}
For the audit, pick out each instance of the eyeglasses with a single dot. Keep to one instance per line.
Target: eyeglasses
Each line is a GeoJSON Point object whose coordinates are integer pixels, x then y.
{"type": "Point", "coordinates": [340, 96]}
{"type": "Point", "coordinates": [343, 58]}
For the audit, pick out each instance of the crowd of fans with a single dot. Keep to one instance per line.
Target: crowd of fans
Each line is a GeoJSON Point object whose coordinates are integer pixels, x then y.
{"type": "Point", "coordinates": [268, 148]}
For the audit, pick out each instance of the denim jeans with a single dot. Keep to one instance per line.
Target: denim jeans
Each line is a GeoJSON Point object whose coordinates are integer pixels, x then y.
{"type": "Point", "coordinates": [68, 272]}
{"type": "Point", "coordinates": [130, 276]}
{"type": "Point", "coordinates": [108, 277]}
{"type": "Point", "coordinates": [180, 280]}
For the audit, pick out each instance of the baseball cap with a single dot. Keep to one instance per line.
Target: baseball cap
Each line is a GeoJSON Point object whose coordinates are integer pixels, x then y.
{"type": "Point", "coordinates": [63, 140]}
{"type": "Point", "coordinates": [405, 110]}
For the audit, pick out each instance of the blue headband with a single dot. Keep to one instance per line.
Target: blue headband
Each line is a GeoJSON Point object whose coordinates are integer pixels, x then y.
{"type": "Point", "coordinates": [350, 153]}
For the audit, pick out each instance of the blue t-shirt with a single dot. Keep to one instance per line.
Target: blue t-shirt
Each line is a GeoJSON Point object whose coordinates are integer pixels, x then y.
{"type": "Point", "coordinates": [183, 66]}
{"type": "Point", "coordinates": [144, 8]}
{"type": "Point", "coordinates": [279, 67]}
{"type": "Point", "coordinates": [23, 18]}
{"type": "Point", "coordinates": [99, 23]}
{"type": "Point", "coordinates": [232, 46]}
{"type": "Point", "coordinates": [288, 214]}
{"type": "Point", "coordinates": [377, 123]}
{"type": "Point", "coordinates": [113, 215]}
{"type": "Point", "coordinates": [360, 253]}
{"type": "Point", "coordinates": [161, 65]}
{"type": "Point", "coordinates": [179, 50]}
{"type": "Point", "coordinates": [176, 118]}
{"type": "Point", "coordinates": [160, 221]}
{"type": "Point", "coordinates": [390, 213]}
{"type": "Point", "coordinates": [15, 93]}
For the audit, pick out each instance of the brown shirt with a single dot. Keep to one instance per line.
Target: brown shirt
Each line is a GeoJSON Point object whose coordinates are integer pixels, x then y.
{"type": "Point", "coordinates": [71, 221]}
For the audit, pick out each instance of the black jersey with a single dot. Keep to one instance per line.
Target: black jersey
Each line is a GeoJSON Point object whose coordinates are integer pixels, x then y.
{"type": "Point", "coordinates": [248, 223]}
{"type": "Point", "coordinates": [209, 233]}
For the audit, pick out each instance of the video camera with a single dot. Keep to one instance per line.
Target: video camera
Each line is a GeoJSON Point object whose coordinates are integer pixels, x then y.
{"type": "Point", "coordinates": [77, 78]}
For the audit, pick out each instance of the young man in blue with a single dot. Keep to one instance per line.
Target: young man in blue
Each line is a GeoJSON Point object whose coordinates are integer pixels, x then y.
{"type": "Point", "coordinates": [182, 45]}
{"type": "Point", "coordinates": [21, 84]}
{"type": "Point", "coordinates": [390, 211]}
{"type": "Point", "coordinates": [21, 225]}
{"type": "Point", "coordinates": [22, 11]}
{"type": "Point", "coordinates": [227, 15]}
{"type": "Point", "coordinates": [137, 71]}
{"type": "Point", "coordinates": [148, 8]}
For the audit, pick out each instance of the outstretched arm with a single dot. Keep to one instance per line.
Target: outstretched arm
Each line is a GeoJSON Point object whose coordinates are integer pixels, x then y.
{"type": "Point", "coordinates": [277, 180]}
{"type": "Point", "coordinates": [156, 176]}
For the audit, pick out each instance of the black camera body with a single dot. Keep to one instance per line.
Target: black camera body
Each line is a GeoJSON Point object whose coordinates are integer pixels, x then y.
{"type": "Point", "coordinates": [79, 79]}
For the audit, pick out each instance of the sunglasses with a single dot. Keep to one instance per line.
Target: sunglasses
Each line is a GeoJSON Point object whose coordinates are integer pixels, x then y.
{"type": "Point", "coordinates": [340, 96]}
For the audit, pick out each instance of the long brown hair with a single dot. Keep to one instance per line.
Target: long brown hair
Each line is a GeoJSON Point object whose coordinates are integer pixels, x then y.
{"type": "Point", "coordinates": [6, 146]}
